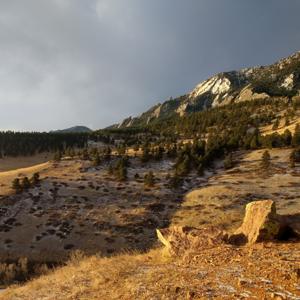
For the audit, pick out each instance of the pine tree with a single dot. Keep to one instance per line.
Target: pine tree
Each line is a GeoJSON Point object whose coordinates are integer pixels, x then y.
{"type": "Point", "coordinates": [16, 185]}
{"type": "Point", "coordinates": [296, 136]}
{"type": "Point", "coordinates": [287, 137]}
{"type": "Point", "coordinates": [292, 159]}
{"type": "Point", "coordinates": [266, 161]}
{"type": "Point", "coordinates": [25, 183]}
{"type": "Point", "coordinates": [35, 179]}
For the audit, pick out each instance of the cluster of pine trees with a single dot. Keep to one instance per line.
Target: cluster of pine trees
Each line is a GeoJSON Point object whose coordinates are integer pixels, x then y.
{"type": "Point", "coordinates": [20, 185]}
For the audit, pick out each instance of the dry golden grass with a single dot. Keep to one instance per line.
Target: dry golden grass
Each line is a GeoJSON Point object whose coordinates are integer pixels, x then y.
{"type": "Point", "coordinates": [90, 278]}
{"type": "Point", "coordinates": [221, 202]}
{"type": "Point", "coordinates": [6, 177]}
{"type": "Point", "coordinates": [223, 272]}
{"type": "Point", "coordinates": [281, 128]}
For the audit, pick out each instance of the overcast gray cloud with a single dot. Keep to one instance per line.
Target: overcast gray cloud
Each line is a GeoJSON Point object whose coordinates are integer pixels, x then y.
{"type": "Point", "coordinates": [94, 62]}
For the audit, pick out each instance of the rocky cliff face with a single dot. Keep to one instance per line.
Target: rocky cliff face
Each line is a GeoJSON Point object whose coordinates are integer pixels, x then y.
{"type": "Point", "coordinates": [281, 79]}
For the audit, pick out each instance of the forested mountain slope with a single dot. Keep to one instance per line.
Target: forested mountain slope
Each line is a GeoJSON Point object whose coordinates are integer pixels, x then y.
{"type": "Point", "coordinates": [281, 79]}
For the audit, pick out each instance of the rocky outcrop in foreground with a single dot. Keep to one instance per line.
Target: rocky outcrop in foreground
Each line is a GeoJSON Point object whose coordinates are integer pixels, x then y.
{"type": "Point", "coordinates": [261, 224]}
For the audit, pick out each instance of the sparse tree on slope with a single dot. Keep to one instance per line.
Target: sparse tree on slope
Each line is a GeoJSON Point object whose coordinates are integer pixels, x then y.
{"type": "Point", "coordinates": [292, 159]}
{"type": "Point", "coordinates": [25, 183]}
{"type": "Point", "coordinates": [16, 185]}
{"type": "Point", "coordinates": [266, 161]}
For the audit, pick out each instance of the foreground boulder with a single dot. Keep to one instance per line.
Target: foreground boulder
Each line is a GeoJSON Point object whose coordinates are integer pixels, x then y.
{"type": "Point", "coordinates": [261, 223]}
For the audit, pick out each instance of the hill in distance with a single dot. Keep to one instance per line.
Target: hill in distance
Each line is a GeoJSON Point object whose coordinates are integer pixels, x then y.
{"type": "Point", "coordinates": [75, 129]}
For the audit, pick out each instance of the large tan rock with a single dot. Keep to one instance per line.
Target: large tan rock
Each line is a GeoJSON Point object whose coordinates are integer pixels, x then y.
{"type": "Point", "coordinates": [261, 223]}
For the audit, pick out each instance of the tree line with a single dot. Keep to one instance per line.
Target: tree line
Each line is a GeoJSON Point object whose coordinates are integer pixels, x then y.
{"type": "Point", "coordinates": [29, 143]}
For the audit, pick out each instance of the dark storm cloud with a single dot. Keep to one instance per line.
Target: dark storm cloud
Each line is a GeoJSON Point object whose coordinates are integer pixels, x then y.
{"type": "Point", "coordinates": [67, 62]}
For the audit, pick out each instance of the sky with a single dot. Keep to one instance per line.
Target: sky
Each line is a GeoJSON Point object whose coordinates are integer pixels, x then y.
{"type": "Point", "coordinates": [95, 62]}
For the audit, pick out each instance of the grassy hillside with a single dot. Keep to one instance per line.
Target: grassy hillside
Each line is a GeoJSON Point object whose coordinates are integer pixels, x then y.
{"type": "Point", "coordinates": [221, 271]}
{"type": "Point", "coordinates": [218, 273]}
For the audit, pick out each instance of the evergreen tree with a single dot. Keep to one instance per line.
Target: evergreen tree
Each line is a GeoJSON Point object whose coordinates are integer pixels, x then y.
{"type": "Point", "coordinates": [16, 185]}
{"type": "Point", "coordinates": [25, 183]}
{"type": "Point", "coordinates": [265, 161]}
{"type": "Point", "coordinates": [287, 137]}
{"type": "Point", "coordinates": [35, 179]}
{"type": "Point", "coordinates": [292, 159]}
{"type": "Point", "coordinates": [296, 136]}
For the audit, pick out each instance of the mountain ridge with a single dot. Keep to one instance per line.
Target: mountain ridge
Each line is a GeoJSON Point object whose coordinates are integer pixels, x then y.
{"type": "Point", "coordinates": [281, 79]}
